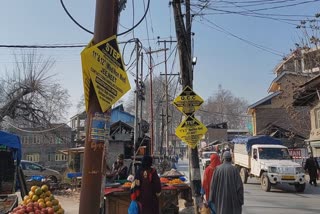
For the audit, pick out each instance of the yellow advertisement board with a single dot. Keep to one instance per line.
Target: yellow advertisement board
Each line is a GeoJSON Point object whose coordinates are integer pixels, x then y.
{"type": "Point", "coordinates": [103, 66]}
{"type": "Point", "coordinates": [188, 101]}
{"type": "Point", "coordinates": [191, 131]}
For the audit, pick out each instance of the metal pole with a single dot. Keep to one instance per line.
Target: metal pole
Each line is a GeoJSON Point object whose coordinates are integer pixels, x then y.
{"type": "Point", "coordinates": [136, 119]}
{"type": "Point", "coordinates": [151, 101]}
{"type": "Point", "coordinates": [106, 19]}
{"type": "Point", "coordinates": [167, 102]}
{"type": "Point", "coordinates": [142, 94]}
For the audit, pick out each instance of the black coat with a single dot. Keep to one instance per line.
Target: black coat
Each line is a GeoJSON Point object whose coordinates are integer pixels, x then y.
{"type": "Point", "coordinates": [312, 167]}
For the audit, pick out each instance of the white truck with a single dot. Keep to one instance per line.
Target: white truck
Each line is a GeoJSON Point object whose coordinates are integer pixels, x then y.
{"type": "Point", "coordinates": [266, 158]}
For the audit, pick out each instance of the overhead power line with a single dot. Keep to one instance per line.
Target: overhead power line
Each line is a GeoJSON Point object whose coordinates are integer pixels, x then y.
{"type": "Point", "coordinates": [42, 46]}
{"type": "Point", "coordinates": [261, 47]}
{"type": "Point", "coordinates": [119, 34]}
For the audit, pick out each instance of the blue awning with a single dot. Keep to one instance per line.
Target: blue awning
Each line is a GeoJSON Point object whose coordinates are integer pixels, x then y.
{"type": "Point", "coordinates": [11, 141]}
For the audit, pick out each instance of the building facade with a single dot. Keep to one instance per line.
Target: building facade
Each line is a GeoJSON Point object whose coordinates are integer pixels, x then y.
{"type": "Point", "coordinates": [42, 146]}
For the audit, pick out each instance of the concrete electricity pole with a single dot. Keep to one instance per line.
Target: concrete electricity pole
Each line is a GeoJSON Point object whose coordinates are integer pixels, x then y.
{"type": "Point", "coordinates": [184, 45]}
{"type": "Point", "coordinates": [106, 19]}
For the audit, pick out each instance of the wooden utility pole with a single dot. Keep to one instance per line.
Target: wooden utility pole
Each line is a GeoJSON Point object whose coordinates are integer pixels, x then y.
{"type": "Point", "coordinates": [106, 19]}
{"type": "Point", "coordinates": [166, 93]}
{"type": "Point", "coordinates": [184, 46]}
{"type": "Point", "coordinates": [150, 52]}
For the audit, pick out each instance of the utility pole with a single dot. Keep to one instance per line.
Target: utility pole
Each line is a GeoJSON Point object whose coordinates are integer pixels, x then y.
{"type": "Point", "coordinates": [184, 45]}
{"type": "Point", "coordinates": [106, 19]}
{"type": "Point", "coordinates": [150, 52]}
{"type": "Point", "coordinates": [151, 99]}
{"type": "Point", "coordinates": [166, 93]}
{"type": "Point", "coordinates": [141, 94]}
{"type": "Point", "coordinates": [136, 116]}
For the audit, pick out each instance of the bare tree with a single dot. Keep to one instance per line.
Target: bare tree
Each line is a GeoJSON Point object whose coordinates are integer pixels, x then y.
{"type": "Point", "coordinates": [29, 93]}
{"type": "Point", "coordinates": [223, 106]}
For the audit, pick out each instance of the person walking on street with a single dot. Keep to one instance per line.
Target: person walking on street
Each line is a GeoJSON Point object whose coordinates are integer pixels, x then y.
{"type": "Point", "coordinates": [226, 190]}
{"type": "Point", "coordinates": [146, 187]}
{"type": "Point", "coordinates": [312, 167]}
{"type": "Point", "coordinates": [207, 177]}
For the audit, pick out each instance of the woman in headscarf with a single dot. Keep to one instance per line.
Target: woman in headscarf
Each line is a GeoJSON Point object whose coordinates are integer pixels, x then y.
{"type": "Point", "coordinates": [207, 176]}
{"type": "Point", "coordinates": [147, 187]}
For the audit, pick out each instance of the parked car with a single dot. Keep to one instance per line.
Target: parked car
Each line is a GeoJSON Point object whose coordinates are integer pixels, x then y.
{"type": "Point", "coordinates": [33, 169]}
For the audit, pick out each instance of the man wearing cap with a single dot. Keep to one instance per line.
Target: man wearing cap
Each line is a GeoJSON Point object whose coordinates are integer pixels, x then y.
{"type": "Point", "coordinates": [119, 170]}
{"type": "Point", "coordinates": [226, 189]}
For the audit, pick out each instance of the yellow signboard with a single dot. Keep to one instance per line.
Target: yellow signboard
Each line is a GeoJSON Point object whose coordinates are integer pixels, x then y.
{"type": "Point", "coordinates": [188, 101]}
{"type": "Point", "coordinates": [103, 66]}
{"type": "Point", "coordinates": [191, 131]}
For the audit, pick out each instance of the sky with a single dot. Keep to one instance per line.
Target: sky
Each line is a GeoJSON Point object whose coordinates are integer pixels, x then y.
{"type": "Point", "coordinates": [222, 59]}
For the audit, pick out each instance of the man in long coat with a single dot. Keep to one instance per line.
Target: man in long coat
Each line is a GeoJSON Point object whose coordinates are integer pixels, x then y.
{"type": "Point", "coordinates": [226, 191]}
{"type": "Point", "coordinates": [312, 166]}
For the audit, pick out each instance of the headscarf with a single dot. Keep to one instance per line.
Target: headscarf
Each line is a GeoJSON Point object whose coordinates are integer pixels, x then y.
{"type": "Point", "coordinates": [208, 173]}
{"type": "Point", "coordinates": [146, 162]}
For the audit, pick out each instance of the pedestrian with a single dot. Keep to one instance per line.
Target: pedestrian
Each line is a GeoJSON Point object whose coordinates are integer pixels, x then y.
{"type": "Point", "coordinates": [207, 177]}
{"type": "Point", "coordinates": [119, 170]}
{"type": "Point", "coordinates": [312, 167]}
{"type": "Point", "coordinates": [226, 189]}
{"type": "Point", "coordinates": [146, 187]}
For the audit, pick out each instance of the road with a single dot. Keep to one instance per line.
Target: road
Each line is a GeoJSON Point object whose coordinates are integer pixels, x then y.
{"type": "Point", "coordinates": [282, 199]}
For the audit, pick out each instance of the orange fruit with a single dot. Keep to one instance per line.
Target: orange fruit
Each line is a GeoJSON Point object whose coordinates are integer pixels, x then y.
{"type": "Point", "coordinates": [31, 194]}
{"type": "Point", "coordinates": [35, 198]}
{"type": "Point", "coordinates": [48, 193]}
{"type": "Point", "coordinates": [42, 205]}
{"type": "Point", "coordinates": [38, 191]}
{"type": "Point", "coordinates": [44, 188]}
{"type": "Point", "coordinates": [33, 188]}
{"type": "Point", "coordinates": [47, 199]}
{"type": "Point", "coordinates": [41, 200]}
{"type": "Point", "coordinates": [49, 204]}
{"type": "Point", "coordinates": [55, 202]}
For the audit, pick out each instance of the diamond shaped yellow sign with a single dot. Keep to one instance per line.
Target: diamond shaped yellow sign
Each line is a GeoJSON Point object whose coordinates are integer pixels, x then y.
{"type": "Point", "coordinates": [188, 101]}
{"type": "Point", "coordinates": [102, 65]}
{"type": "Point", "coordinates": [191, 131]}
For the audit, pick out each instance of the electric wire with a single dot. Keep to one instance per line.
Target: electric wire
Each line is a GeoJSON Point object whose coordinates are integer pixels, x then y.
{"type": "Point", "coordinates": [119, 34]}
{"type": "Point", "coordinates": [220, 29]}
{"type": "Point", "coordinates": [42, 131]}
{"type": "Point", "coordinates": [147, 29]}
{"type": "Point", "coordinates": [133, 18]}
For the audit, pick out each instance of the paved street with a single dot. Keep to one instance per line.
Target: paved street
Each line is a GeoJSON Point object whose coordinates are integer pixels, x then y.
{"type": "Point", "coordinates": [282, 199]}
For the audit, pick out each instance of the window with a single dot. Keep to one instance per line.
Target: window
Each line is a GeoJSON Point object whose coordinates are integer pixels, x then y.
{"type": "Point", "coordinates": [34, 157]}
{"type": "Point", "coordinates": [52, 156]}
{"type": "Point", "coordinates": [255, 153]}
{"type": "Point", "coordinates": [25, 139]}
{"type": "Point", "coordinates": [58, 140]}
{"type": "Point", "coordinates": [317, 117]}
{"type": "Point", "coordinates": [60, 157]}
{"type": "Point", "coordinates": [31, 166]}
{"type": "Point", "coordinates": [38, 139]}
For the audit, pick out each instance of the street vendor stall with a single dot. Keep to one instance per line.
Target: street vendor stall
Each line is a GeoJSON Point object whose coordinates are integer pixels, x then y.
{"type": "Point", "coordinates": [117, 199]}
{"type": "Point", "coordinates": [173, 187]}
